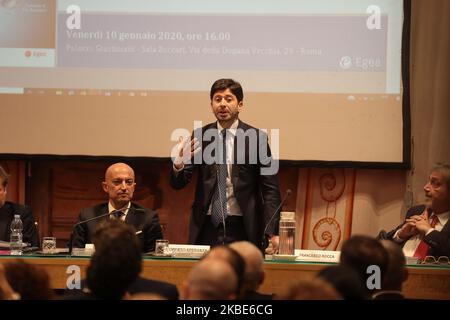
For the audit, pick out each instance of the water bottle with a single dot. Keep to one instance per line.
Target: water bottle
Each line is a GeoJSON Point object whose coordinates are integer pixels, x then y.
{"type": "Point", "coordinates": [287, 233]}
{"type": "Point", "coordinates": [15, 242]}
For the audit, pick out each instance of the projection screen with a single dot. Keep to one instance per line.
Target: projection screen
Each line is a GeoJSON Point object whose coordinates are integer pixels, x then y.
{"type": "Point", "coordinates": [125, 78]}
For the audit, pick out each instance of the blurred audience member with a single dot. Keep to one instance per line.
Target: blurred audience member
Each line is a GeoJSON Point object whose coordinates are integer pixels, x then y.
{"type": "Point", "coordinates": [391, 288]}
{"type": "Point", "coordinates": [116, 262]}
{"type": "Point", "coordinates": [346, 281]}
{"type": "Point", "coordinates": [30, 282]}
{"type": "Point", "coordinates": [310, 289]}
{"type": "Point", "coordinates": [210, 279]}
{"type": "Point", "coordinates": [6, 292]}
{"type": "Point", "coordinates": [359, 252]}
{"type": "Point", "coordinates": [254, 273]}
{"type": "Point", "coordinates": [232, 257]}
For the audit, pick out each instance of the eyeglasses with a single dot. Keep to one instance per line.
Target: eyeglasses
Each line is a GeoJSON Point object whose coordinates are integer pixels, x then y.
{"type": "Point", "coordinates": [432, 260]}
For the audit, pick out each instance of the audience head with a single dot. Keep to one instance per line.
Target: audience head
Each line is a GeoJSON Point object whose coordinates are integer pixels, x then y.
{"type": "Point", "coordinates": [396, 270]}
{"type": "Point", "coordinates": [437, 189]}
{"type": "Point", "coordinates": [30, 282]}
{"type": "Point", "coordinates": [210, 279]}
{"type": "Point", "coordinates": [346, 281]}
{"type": "Point", "coordinates": [119, 184]}
{"type": "Point", "coordinates": [254, 273]}
{"type": "Point", "coordinates": [359, 252]}
{"type": "Point", "coordinates": [233, 258]}
{"type": "Point", "coordinates": [310, 289]}
{"type": "Point", "coordinates": [117, 260]}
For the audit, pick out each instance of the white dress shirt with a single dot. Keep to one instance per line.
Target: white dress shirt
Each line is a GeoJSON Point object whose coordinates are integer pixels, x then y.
{"type": "Point", "coordinates": [232, 205]}
{"type": "Point", "coordinates": [124, 209]}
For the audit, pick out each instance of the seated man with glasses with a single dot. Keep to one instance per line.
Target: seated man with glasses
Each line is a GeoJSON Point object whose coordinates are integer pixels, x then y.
{"type": "Point", "coordinates": [119, 184]}
{"type": "Point", "coordinates": [425, 231]}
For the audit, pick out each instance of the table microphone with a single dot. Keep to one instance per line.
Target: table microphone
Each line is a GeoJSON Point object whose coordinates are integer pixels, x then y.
{"type": "Point", "coordinates": [95, 218]}
{"type": "Point", "coordinates": [286, 195]}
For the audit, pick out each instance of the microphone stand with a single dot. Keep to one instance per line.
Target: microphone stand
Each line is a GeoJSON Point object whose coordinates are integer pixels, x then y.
{"type": "Point", "coordinates": [286, 195]}
{"type": "Point", "coordinates": [86, 221]}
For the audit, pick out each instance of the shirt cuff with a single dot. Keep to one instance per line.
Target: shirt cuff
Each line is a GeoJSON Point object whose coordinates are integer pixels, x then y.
{"type": "Point", "coordinates": [178, 170]}
{"type": "Point", "coordinates": [429, 231]}
{"type": "Point", "coordinates": [396, 238]}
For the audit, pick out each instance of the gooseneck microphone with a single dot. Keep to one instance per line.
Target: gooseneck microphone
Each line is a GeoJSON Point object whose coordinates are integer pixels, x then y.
{"type": "Point", "coordinates": [286, 195]}
{"type": "Point", "coordinates": [114, 212]}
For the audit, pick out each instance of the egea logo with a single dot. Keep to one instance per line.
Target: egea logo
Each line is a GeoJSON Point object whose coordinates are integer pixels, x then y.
{"type": "Point", "coordinates": [27, 53]}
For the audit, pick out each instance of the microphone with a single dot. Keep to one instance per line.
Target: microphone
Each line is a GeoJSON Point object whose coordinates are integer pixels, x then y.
{"type": "Point", "coordinates": [95, 218]}
{"type": "Point", "coordinates": [286, 195]}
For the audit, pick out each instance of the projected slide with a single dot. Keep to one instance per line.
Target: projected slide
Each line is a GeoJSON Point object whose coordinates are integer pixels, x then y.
{"type": "Point", "coordinates": [333, 65]}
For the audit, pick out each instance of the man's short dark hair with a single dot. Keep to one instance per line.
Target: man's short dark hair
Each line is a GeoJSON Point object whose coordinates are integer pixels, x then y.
{"type": "Point", "coordinates": [360, 252]}
{"type": "Point", "coordinates": [4, 177]}
{"type": "Point", "coordinates": [117, 260]}
{"type": "Point", "coordinates": [223, 84]}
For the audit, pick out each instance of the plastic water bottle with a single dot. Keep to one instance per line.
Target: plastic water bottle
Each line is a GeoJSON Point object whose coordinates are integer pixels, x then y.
{"type": "Point", "coordinates": [15, 241]}
{"type": "Point", "coordinates": [287, 233]}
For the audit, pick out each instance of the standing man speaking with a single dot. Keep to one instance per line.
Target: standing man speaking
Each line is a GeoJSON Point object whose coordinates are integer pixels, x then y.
{"type": "Point", "coordinates": [237, 195]}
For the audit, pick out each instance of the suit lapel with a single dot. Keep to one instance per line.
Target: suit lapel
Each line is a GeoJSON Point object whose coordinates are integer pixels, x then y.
{"type": "Point", "coordinates": [131, 216]}
{"type": "Point", "coordinates": [102, 210]}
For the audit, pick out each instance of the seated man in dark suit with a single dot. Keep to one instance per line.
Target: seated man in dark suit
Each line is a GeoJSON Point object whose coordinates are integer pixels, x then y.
{"type": "Point", "coordinates": [7, 212]}
{"type": "Point", "coordinates": [425, 231]}
{"type": "Point", "coordinates": [119, 184]}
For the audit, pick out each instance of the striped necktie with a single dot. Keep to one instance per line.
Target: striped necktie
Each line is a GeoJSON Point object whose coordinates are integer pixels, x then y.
{"type": "Point", "coordinates": [219, 199]}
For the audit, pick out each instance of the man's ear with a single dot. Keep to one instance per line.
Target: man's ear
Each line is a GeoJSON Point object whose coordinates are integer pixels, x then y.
{"type": "Point", "coordinates": [105, 186]}
{"type": "Point", "coordinates": [240, 105]}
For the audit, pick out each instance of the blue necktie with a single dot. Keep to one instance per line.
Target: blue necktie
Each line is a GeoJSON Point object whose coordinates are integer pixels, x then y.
{"type": "Point", "coordinates": [219, 199]}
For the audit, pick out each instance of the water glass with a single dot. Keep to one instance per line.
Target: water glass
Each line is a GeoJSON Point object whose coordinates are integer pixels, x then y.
{"type": "Point", "coordinates": [48, 244]}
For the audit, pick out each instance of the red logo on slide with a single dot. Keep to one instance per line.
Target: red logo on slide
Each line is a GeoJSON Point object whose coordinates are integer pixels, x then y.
{"type": "Point", "coordinates": [28, 53]}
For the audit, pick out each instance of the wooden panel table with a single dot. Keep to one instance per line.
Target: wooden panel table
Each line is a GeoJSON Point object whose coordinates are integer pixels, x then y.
{"type": "Point", "coordinates": [424, 282]}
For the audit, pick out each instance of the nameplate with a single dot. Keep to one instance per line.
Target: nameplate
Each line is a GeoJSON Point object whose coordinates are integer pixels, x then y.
{"type": "Point", "coordinates": [188, 251]}
{"type": "Point", "coordinates": [317, 255]}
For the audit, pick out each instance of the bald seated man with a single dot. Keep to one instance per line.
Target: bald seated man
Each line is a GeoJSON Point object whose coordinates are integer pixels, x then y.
{"type": "Point", "coordinates": [210, 279]}
{"type": "Point", "coordinates": [119, 185]}
{"type": "Point", "coordinates": [254, 272]}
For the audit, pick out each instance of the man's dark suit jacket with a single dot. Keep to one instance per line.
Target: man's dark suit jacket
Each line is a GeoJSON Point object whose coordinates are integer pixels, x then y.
{"type": "Point", "coordinates": [439, 241]}
{"type": "Point", "coordinates": [258, 195]}
{"type": "Point", "coordinates": [29, 232]}
{"type": "Point", "coordinates": [147, 221]}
